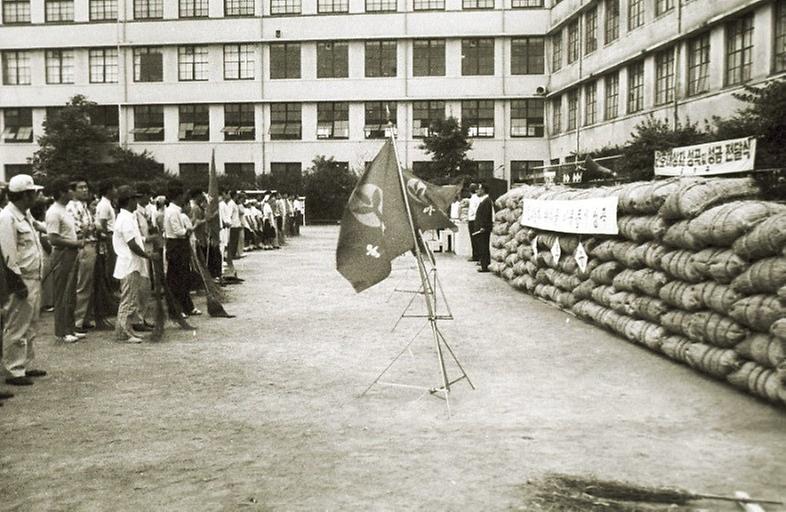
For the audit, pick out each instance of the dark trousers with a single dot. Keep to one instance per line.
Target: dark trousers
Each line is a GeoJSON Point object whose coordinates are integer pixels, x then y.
{"type": "Point", "coordinates": [214, 260]}
{"type": "Point", "coordinates": [472, 239]}
{"type": "Point", "coordinates": [234, 241]}
{"type": "Point", "coordinates": [64, 288]}
{"type": "Point", "coordinates": [482, 245]}
{"type": "Point", "coordinates": [178, 273]}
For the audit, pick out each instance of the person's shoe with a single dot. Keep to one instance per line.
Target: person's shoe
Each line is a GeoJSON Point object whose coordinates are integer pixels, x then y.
{"type": "Point", "coordinates": [482, 270]}
{"type": "Point", "coordinates": [129, 339]}
{"type": "Point", "coordinates": [143, 327]}
{"type": "Point", "coordinates": [35, 373]}
{"type": "Point", "coordinates": [49, 309]}
{"type": "Point", "coordinates": [66, 339]}
{"type": "Point", "coordinates": [80, 330]}
{"type": "Point", "coordinates": [19, 381]}
{"type": "Point", "coordinates": [195, 312]}
{"type": "Point", "coordinates": [79, 335]}
{"type": "Point", "coordinates": [4, 395]}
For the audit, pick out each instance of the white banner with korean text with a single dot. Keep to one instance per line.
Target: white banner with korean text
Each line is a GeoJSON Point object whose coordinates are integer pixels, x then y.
{"type": "Point", "coordinates": [722, 157]}
{"type": "Point", "coordinates": [590, 216]}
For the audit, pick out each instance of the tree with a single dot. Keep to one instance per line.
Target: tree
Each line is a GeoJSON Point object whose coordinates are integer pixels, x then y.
{"type": "Point", "coordinates": [327, 186]}
{"type": "Point", "coordinates": [70, 145]}
{"type": "Point", "coordinates": [764, 117]}
{"type": "Point", "coordinates": [448, 146]}
{"type": "Point", "coordinates": [287, 181]}
{"type": "Point", "coordinates": [650, 135]}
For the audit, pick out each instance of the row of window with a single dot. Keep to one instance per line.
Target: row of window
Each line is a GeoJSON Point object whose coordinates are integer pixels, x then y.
{"type": "Point", "coordinates": [60, 11]}
{"type": "Point", "coordinates": [380, 59]}
{"type": "Point", "coordinates": [739, 62]}
{"type": "Point", "coordinates": [526, 120]}
{"type": "Point", "coordinates": [739, 34]}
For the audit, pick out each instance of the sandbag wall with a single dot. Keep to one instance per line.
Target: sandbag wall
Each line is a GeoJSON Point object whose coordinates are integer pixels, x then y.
{"type": "Point", "coordinates": [697, 273]}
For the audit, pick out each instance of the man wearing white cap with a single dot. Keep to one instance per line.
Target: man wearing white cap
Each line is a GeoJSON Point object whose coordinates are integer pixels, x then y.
{"type": "Point", "coordinates": [21, 249]}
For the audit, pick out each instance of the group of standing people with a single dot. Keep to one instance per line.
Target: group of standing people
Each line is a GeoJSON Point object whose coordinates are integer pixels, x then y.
{"type": "Point", "coordinates": [124, 247]}
{"type": "Point", "coordinates": [262, 223]}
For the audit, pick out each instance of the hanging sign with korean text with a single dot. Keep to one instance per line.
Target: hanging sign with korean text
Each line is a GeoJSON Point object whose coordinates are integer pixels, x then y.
{"type": "Point", "coordinates": [592, 216]}
{"type": "Point", "coordinates": [581, 257]}
{"type": "Point", "coordinates": [722, 157]}
{"type": "Point", "coordinates": [556, 251]}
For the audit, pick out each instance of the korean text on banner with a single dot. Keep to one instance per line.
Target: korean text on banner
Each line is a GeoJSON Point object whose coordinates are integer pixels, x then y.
{"type": "Point", "coordinates": [590, 216]}
{"type": "Point", "coordinates": [721, 157]}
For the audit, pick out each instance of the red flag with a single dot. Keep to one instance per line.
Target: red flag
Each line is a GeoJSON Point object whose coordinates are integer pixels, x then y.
{"type": "Point", "coordinates": [375, 227]}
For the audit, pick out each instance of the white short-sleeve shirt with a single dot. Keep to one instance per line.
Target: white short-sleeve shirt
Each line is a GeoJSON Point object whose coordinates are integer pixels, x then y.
{"type": "Point", "coordinates": [105, 210]}
{"type": "Point", "coordinates": [127, 229]}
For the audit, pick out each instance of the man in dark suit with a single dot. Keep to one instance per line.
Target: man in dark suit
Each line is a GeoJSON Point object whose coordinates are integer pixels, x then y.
{"type": "Point", "coordinates": [484, 221]}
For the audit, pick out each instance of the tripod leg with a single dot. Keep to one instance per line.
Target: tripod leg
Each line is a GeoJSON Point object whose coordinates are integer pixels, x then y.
{"type": "Point", "coordinates": [445, 383]}
{"type": "Point", "coordinates": [406, 347]}
{"type": "Point", "coordinates": [450, 350]}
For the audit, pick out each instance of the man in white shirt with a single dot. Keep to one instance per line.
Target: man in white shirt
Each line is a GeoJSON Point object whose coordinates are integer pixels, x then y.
{"type": "Point", "coordinates": [105, 212]}
{"type": "Point", "coordinates": [474, 202]}
{"type": "Point", "coordinates": [235, 225]}
{"type": "Point", "coordinates": [105, 222]}
{"type": "Point", "coordinates": [86, 258]}
{"type": "Point", "coordinates": [61, 233]}
{"type": "Point", "coordinates": [178, 249]}
{"type": "Point", "coordinates": [281, 214]}
{"type": "Point", "coordinates": [131, 266]}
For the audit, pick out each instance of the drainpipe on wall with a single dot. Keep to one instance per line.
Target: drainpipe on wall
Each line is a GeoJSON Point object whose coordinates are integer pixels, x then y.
{"type": "Point", "coordinates": [120, 36]}
{"type": "Point", "coordinates": [406, 87]}
{"type": "Point", "coordinates": [677, 68]}
{"type": "Point", "coordinates": [506, 173]}
{"type": "Point", "coordinates": [579, 103]}
{"type": "Point", "coordinates": [262, 91]}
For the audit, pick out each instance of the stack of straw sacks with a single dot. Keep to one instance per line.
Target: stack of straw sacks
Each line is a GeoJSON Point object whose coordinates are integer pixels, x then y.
{"type": "Point", "coordinates": [697, 272]}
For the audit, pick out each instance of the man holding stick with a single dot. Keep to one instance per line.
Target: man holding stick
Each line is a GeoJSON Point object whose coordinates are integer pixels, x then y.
{"type": "Point", "coordinates": [130, 266]}
{"type": "Point", "coordinates": [86, 258]}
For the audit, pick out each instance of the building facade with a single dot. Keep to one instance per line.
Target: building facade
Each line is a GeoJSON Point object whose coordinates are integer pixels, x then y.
{"type": "Point", "coordinates": [614, 62]}
{"type": "Point", "coordinates": [270, 84]}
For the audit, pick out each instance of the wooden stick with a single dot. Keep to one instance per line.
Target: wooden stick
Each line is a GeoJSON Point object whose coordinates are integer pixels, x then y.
{"type": "Point", "coordinates": [742, 500]}
{"type": "Point", "coordinates": [729, 498]}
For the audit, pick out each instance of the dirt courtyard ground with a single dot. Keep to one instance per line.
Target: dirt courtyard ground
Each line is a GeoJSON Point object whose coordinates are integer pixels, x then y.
{"type": "Point", "coordinates": [261, 412]}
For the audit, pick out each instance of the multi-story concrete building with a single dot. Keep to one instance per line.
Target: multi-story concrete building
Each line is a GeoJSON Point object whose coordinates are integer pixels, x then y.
{"type": "Point", "coordinates": [270, 84]}
{"type": "Point", "coordinates": [613, 62]}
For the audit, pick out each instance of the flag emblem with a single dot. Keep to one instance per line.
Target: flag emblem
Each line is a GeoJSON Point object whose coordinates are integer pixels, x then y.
{"type": "Point", "coordinates": [366, 205]}
{"type": "Point", "coordinates": [418, 189]}
{"type": "Point", "coordinates": [373, 251]}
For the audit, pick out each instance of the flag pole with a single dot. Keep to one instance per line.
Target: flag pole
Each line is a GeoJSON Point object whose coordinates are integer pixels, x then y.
{"type": "Point", "coordinates": [428, 291]}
